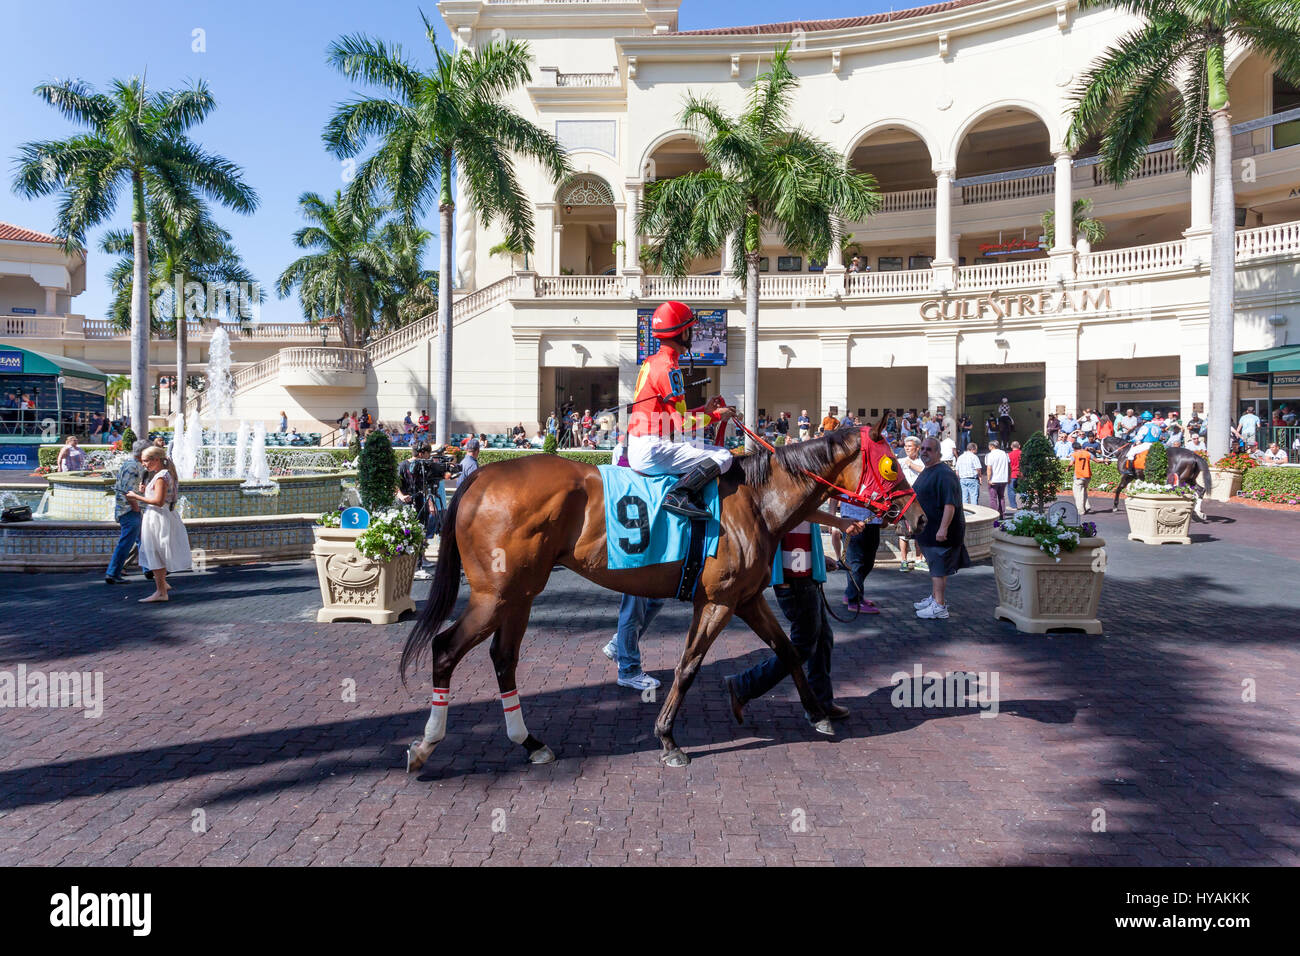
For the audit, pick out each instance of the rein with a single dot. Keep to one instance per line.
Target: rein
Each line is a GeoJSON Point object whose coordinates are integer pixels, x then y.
{"type": "Point", "coordinates": [889, 506]}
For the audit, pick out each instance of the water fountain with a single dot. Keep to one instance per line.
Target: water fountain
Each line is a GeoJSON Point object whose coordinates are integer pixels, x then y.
{"type": "Point", "coordinates": [240, 501]}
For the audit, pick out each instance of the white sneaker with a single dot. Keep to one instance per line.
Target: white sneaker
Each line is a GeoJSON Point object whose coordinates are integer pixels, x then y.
{"type": "Point", "coordinates": [920, 566]}
{"type": "Point", "coordinates": [929, 599]}
{"type": "Point", "coordinates": [608, 649]}
{"type": "Point", "coordinates": [933, 611]}
{"type": "Point", "coordinates": [642, 681]}
{"type": "Point", "coordinates": [422, 575]}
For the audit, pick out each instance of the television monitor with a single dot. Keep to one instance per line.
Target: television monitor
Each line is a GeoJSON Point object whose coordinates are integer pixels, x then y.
{"type": "Point", "coordinates": [708, 338]}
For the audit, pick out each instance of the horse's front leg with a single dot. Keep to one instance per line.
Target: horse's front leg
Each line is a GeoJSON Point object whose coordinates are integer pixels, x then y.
{"type": "Point", "coordinates": [757, 614]}
{"type": "Point", "coordinates": [708, 623]}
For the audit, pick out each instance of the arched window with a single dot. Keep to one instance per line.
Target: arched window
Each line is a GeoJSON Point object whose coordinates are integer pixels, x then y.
{"type": "Point", "coordinates": [586, 190]}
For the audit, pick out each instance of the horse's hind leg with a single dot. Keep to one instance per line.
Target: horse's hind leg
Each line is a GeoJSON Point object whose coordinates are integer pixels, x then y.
{"type": "Point", "coordinates": [505, 657]}
{"type": "Point", "coordinates": [449, 646]}
{"type": "Point", "coordinates": [709, 621]}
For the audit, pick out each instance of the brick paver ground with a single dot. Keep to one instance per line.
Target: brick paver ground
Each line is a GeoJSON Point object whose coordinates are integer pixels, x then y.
{"type": "Point", "coordinates": [225, 714]}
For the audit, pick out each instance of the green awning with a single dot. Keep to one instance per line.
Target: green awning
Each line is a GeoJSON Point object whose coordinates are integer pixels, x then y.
{"type": "Point", "coordinates": [1263, 363]}
{"type": "Point", "coordinates": [39, 363]}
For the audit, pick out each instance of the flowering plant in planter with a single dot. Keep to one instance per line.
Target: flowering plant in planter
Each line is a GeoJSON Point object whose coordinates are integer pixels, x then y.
{"type": "Point", "coordinates": [1237, 461]}
{"type": "Point", "coordinates": [1159, 488]}
{"type": "Point", "coordinates": [1273, 497]}
{"type": "Point", "coordinates": [392, 533]}
{"type": "Point", "coordinates": [1051, 532]}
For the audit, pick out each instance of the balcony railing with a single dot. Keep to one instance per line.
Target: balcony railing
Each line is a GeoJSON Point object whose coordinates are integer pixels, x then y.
{"type": "Point", "coordinates": [1153, 164]}
{"type": "Point", "coordinates": [998, 275]}
{"type": "Point", "coordinates": [1009, 187]}
{"type": "Point", "coordinates": [582, 287]}
{"type": "Point", "coordinates": [1278, 240]}
{"type": "Point", "coordinates": [902, 282]}
{"type": "Point", "coordinates": [31, 326]}
{"type": "Point", "coordinates": [323, 359]}
{"type": "Point", "coordinates": [686, 287]}
{"type": "Point", "coordinates": [586, 79]}
{"type": "Point", "coordinates": [907, 200]}
{"type": "Point", "coordinates": [63, 327]}
{"type": "Point", "coordinates": [1133, 260]}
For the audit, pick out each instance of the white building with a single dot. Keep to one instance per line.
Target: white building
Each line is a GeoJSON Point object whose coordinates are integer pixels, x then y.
{"type": "Point", "coordinates": [960, 110]}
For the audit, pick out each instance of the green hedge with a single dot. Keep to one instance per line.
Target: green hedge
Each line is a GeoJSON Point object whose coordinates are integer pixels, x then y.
{"type": "Point", "coordinates": [1102, 471]}
{"type": "Point", "coordinates": [489, 455]}
{"type": "Point", "coordinates": [1272, 479]}
{"type": "Point", "coordinates": [49, 454]}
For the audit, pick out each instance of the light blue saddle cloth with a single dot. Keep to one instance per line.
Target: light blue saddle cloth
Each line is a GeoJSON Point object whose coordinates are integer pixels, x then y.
{"type": "Point", "coordinates": [638, 532]}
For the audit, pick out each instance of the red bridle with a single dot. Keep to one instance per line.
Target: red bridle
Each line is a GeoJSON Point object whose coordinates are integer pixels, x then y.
{"type": "Point", "coordinates": [887, 498]}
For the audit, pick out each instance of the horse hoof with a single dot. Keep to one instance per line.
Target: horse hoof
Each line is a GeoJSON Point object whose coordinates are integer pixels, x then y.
{"type": "Point", "coordinates": [824, 726]}
{"type": "Point", "coordinates": [675, 758]}
{"type": "Point", "coordinates": [543, 755]}
{"type": "Point", "coordinates": [416, 755]}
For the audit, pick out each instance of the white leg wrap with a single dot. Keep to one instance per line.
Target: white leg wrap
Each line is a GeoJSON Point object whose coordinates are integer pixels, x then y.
{"type": "Point", "coordinates": [515, 728]}
{"type": "Point", "coordinates": [436, 728]}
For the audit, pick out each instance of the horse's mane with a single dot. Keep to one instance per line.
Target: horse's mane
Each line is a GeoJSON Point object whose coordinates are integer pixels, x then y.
{"type": "Point", "coordinates": [815, 455]}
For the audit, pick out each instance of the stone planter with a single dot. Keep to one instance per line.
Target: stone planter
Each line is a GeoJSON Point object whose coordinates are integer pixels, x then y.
{"type": "Point", "coordinates": [354, 587]}
{"type": "Point", "coordinates": [1037, 593]}
{"type": "Point", "coordinates": [1224, 484]}
{"type": "Point", "coordinates": [1159, 519]}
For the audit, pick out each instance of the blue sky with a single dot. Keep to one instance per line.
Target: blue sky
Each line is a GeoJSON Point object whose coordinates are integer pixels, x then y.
{"type": "Point", "coordinates": [265, 64]}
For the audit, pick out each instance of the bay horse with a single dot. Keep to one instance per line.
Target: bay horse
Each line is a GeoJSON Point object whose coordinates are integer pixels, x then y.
{"type": "Point", "coordinates": [1184, 468]}
{"type": "Point", "coordinates": [513, 521]}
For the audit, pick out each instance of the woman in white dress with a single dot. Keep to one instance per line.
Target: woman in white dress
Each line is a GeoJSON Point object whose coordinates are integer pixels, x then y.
{"type": "Point", "coordinates": [164, 545]}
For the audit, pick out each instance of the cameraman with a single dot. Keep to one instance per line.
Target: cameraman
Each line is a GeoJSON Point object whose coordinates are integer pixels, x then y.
{"type": "Point", "coordinates": [420, 484]}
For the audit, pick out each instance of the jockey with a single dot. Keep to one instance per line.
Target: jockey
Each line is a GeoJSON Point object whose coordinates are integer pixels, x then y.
{"type": "Point", "coordinates": [659, 417]}
{"type": "Point", "coordinates": [1147, 434]}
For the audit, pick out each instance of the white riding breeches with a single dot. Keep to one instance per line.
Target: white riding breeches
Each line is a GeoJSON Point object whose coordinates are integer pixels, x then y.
{"type": "Point", "coordinates": [652, 455]}
{"type": "Point", "coordinates": [1138, 449]}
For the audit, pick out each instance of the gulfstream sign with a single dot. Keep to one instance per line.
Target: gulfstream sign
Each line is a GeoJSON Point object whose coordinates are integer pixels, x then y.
{"type": "Point", "coordinates": [998, 305]}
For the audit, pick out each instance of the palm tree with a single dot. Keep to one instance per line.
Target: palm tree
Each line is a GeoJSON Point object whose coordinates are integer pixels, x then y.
{"type": "Point", "coordinates": [348, 271]}
{"type": "Point", "coordinates": [411, 290]}
{"type": "Point", "coordinates": [118, 385]}
{"type": "Point", "coordinates": [761, 173]}
{"type": "Point", "coordinates": [136, 137]}
{"type": "Point", "coordinates": [429, 123]}
{"type": "Point", "coordinates": [200, 252]}
{"type": "Point", "coordinates": [1180, 47]}
{"type": "Point", "coordinates": [1084, 224]}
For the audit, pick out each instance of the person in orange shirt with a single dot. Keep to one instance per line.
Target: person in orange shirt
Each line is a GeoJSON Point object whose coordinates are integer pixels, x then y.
{"type": "Point", "coordinates": [830, 423]}
{"type": "Point", "coordinates": [1082, 459]}
{"type": "Point", "coordinates": [659, 421]}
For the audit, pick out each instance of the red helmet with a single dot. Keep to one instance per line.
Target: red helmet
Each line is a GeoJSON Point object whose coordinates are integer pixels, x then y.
{"type": "Point", "coordinates": [670, 319]}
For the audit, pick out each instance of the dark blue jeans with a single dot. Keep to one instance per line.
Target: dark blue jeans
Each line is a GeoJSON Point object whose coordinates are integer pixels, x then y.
{"type": "Point", "coordinates": [130, 536]}
{"type": "Point", "coordinates": [810, 633]}
{"type": "Point", "coordinates": [860, 556]}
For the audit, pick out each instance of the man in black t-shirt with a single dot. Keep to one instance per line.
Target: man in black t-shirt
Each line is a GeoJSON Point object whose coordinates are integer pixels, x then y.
{"type": "Point", "coordinates": [942, 539]}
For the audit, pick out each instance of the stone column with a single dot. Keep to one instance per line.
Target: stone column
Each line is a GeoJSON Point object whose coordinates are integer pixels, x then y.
{"type": "Point", "coordinates": [632, 251]}
{"type": "Point", "coordinates": [466, 226]}
{"type": "Point", "coordinates": [1062, 251]}
{"type": "Point", "coordinates": [1198, 233]}
{"type": "Point", "coordinates": [945, 270]}
{"type": "Point", "coordinates": [620, 236]}
{"type": "Point", "coordinates": [835, 372]}
{"type": "Point", "coordinates": [526, 380]}
{"type": "Point", "coordinates": [835, 271]}
{"type": "Point", "coordinates": [941, 369]}
{"type": "Point", "coordinates": [51, 299]}
{"type": "Point", "coordinates": [557, 245]}
{"type": "Point", "coordinates": [627, 373]}
{"type": "Point", "coordinates": [730, 380]}
{"type": "Point", "coordinates": [1062, 368]}
{"type": "Point", "coordinates": [1193, 350]}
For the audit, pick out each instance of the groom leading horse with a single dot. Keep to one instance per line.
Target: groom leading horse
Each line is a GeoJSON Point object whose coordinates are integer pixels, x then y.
{"type": "Point", "coordinates": [513, 521]}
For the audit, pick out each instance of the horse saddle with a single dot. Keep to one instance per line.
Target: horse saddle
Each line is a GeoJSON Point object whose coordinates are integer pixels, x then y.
{"type": "Point", "coordinates": [639, 532]}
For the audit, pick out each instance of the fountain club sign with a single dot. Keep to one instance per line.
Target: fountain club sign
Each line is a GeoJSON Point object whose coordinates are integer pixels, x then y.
{"type": "Point", "coordinates": [1000, 305]}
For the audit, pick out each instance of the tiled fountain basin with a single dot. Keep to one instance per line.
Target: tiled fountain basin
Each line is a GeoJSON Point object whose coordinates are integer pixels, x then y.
{"type": "Point", "coordinates": [53, 545]}
{"type": "Point", "coordinates": [90, 498]}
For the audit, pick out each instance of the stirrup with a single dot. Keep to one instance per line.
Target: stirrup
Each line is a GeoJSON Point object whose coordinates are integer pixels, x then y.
{"type": "Point", "coordinates": [680, 503]}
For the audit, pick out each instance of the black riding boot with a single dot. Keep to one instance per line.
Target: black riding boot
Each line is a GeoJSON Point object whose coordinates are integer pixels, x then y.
{"type": "Point", "coordinates": [684, 497]}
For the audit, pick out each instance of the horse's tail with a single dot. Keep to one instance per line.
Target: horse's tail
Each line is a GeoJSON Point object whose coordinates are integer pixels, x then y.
{"type": "Point", "coordinates": [1203, 467]}
{"type": "Point", "coordinates": [442, 594]}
